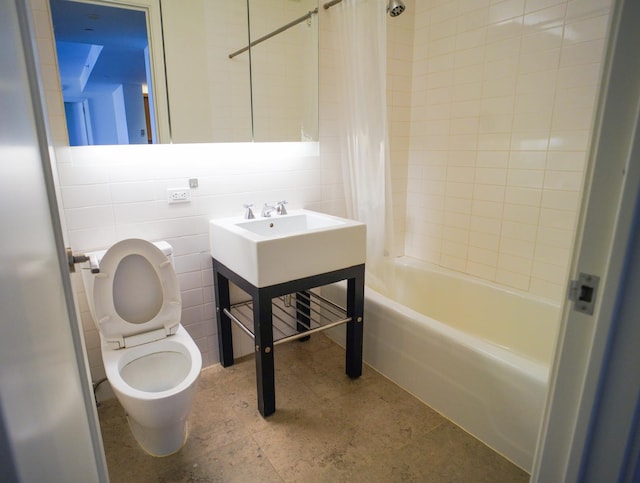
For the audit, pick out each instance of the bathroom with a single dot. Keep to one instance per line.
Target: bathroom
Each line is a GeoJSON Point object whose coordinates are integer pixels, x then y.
{"type": "Point", "coordinates": [115, 192]}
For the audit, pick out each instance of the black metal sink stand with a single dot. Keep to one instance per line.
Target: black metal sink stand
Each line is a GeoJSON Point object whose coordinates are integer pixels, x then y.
{"type": "Point", "coordinates": [262, 332]}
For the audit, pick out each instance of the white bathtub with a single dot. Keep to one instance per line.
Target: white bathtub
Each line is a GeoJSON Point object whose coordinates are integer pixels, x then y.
{"type": "Point", "coordinates": [476, 352]}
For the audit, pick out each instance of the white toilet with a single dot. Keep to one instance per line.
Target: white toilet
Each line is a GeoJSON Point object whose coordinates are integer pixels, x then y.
{"type": "Point", "coordinates": [150, 360]}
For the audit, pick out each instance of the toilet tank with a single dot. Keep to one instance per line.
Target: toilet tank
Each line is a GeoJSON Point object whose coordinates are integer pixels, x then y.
{"type": "Point", "coordinates": [95, 257]}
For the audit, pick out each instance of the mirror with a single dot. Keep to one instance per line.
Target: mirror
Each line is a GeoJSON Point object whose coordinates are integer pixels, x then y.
{"type": "Point", "coordinates": [197, 91]}
{"type": "Point", "coordinates": [209, 94]}
{"type": "Point", "coordinates": [284, 69]}
{"type": "Point", "coordinates": [103, 55]}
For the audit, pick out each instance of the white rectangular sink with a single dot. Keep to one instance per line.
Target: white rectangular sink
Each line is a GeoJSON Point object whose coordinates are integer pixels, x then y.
{"type": "Point", "coordinates": [302, 243]}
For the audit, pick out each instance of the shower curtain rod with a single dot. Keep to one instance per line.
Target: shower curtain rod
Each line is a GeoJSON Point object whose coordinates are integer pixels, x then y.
{"type": "Point", "coordinates": [307, 16]}
{"type": "Point", "coordinates": [330, 4]}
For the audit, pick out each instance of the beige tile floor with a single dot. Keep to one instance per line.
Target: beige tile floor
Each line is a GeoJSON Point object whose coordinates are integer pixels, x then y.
{"type": "Point", "coordinates": [327, 428]}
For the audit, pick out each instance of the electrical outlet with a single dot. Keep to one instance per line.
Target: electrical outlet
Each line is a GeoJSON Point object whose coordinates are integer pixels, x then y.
{"type": "Point", "coordinates": [178, 195]}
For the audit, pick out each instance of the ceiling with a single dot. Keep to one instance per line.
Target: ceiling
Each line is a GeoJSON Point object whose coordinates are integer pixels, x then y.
{"type": "Point", "coordinates": [98, 47]}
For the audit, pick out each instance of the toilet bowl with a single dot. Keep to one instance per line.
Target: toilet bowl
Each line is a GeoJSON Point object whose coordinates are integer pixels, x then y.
{"type": "Point", "coordinates": [150, 360]}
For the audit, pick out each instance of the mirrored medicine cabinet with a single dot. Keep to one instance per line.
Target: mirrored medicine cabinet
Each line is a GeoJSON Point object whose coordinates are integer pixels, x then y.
{"type": "Point", "coordinates": [170, 71]}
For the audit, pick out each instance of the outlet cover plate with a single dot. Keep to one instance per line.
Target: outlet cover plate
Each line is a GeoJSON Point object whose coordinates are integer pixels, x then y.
{"type": "Point", "coordinates": [178, 195]}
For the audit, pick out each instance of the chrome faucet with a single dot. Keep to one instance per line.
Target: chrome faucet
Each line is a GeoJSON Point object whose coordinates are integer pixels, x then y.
{"type": "Point", "coordinates": [248, 213]}
{"type": "Point", "coordinates": [267, 210]}
{"type": "Point", "coordinates": [280, 209]}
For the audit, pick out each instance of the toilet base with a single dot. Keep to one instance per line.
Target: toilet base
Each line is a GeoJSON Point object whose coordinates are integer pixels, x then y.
{"type": "Point", "coordinates": [159, 442]}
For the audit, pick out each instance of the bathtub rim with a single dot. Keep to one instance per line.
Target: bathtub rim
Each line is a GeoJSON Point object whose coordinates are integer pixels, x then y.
{"type": "Point", "coordinates": [418, 264]}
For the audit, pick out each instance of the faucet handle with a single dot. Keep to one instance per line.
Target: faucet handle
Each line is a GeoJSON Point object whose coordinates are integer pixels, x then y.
{"type": "Point", "coordinates": [248, 213]}
{"type": "Point", "coordinates": [281, 210]}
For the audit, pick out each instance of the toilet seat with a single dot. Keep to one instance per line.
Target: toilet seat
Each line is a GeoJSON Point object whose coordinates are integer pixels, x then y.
{"type": "Point", "coordinates": [116, 360]}
{"type": "Point", "coordinates": [127, 319]}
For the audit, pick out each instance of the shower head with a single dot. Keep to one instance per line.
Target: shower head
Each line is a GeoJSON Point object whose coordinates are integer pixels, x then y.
{"type": "Point", "coordinates": [395, 7]}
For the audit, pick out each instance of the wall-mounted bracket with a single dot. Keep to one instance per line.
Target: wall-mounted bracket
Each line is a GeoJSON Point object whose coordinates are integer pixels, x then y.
{"type": "Point", "coordinates": [583, 292]}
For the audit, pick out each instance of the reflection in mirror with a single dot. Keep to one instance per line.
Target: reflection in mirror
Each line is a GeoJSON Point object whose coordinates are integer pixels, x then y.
{"type": "Point", "coordinates": [209, 94]}
{"type": "Point", "coordinates": [189, 72]}
{"type": "Point", "coordinates": [103, 58]}
{"type": "Point", "coordinates": [284, 69]}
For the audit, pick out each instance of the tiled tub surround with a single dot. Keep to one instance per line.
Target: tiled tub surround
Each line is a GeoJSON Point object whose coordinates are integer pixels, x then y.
{"type": "Point", "coordinates": [502, 100]}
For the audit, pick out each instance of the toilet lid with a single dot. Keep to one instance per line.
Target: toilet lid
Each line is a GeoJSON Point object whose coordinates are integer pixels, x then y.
{"type": "Point", "coordinates": [136, 292]}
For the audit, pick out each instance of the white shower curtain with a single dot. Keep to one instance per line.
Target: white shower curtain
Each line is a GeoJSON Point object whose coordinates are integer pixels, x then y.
{"type": "Point", "coordinates": [365, 154]}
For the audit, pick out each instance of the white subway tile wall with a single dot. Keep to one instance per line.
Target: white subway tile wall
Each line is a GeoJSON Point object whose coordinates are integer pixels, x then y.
{"type": "Point", "coordinates": [503, 100]}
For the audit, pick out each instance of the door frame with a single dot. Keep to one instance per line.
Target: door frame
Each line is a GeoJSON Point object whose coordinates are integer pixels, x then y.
{"type": "Point", "coordinates": [569, 446]}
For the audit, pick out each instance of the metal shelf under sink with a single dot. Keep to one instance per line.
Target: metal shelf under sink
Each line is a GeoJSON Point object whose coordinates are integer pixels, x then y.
{"type": "Point", "coordinates": [323, 314]}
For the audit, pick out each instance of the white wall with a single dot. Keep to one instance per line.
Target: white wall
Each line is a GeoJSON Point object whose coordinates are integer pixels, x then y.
{"type": "Point", "coordinates": [76, 123]}
{"type": "Point", "coordinates": [120, 116]}
{"type": "Point", "coordinates": [134, 107]}
{"type": "Point", "coordinates": [503, 94]}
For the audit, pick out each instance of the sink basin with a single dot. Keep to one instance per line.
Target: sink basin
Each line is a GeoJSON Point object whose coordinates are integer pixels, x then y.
{"type": "Point", "coordinates": [302, 243]}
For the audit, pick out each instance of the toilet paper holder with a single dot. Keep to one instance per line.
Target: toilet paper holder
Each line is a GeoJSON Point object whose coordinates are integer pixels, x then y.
{"type": "Point", "coordinates": [73, 259]}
